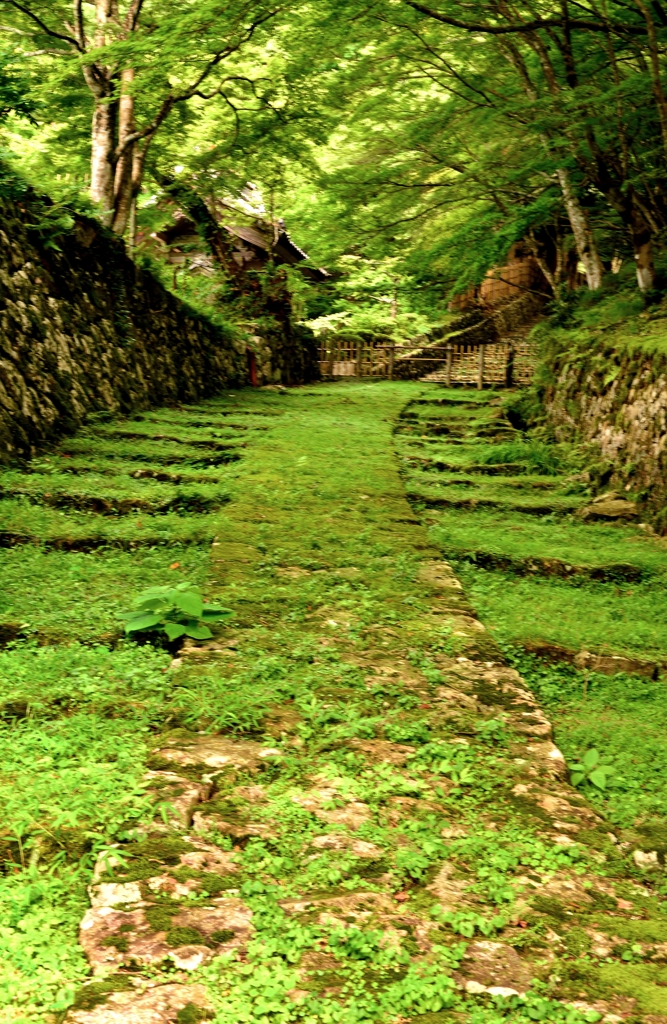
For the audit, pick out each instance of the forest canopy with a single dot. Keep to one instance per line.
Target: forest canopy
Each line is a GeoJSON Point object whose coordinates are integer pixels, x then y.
{"type": "Point", "coordinates": [407, 146]}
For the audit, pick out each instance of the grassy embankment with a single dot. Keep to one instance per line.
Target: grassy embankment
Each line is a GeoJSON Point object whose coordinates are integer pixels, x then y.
{"type": "Point", "coordinates": [393, 790]}
{"type": "Point", "coordinates": [84, 528]}
{"type": "Point", "coordinates": [503, 506]}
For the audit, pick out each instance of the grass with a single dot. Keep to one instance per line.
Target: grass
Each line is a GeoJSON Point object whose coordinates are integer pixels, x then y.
{"type": "Point", "coordinates": [115, 495]}
{"type": "Point", "coordinates": [627, 618]}
{"type": "Point", "coordinates": [537, 456]}
{"type": "Point", "coordinates": [522, 537]}
{"type": "Point", "coordinates": [492, 492]}
{"type": "Point", "coordinates": [73, 595]}
{"type": "Point", "coordinates": [624, 718]}
{"type": "Point", "coordinates": [44, 525]}
{"type": "Point", "coordinates": [338, 661]}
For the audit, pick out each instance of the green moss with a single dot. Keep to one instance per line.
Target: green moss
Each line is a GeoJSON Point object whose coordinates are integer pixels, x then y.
{"type": "Point", "coordinates": [214, 884]}
{"type": "Point", "coordinates": [550, 906]}
{"type": "Point", "coordinates": [646, 983]}
{"type": "Point", "coordinates": [576, 941]}
{"type": "Point", "coordinates": [96, 993]}
{"type": "Point", "coordinates": [223, 935]}
{"type": "Point", "coordinates": [119, 942]}
{"type": "Point", "coordinates": [163, 849]}
{"type": "Point", "coordinates": [654, 930]}
{"type": "Point", "coordinates": [159, 918]}
{"type": "Point", "coordinates": [191, 1014]}
{"type": "Point", "coordinates": [183, 936]}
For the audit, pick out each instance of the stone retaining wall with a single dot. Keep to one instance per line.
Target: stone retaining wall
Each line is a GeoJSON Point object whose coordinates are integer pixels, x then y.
{"type": "Point", "coordinates": [617, 401]}
{"type": "Point", "coordinates": [83, 329]}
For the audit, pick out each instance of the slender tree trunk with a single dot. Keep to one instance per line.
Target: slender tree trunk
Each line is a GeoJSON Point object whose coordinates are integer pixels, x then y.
{"type": "Point", "coordinates": [581, 229]}
{"type": "Point", "coordinates": [642, 243]}
{"type": "Point", "coordinates": [104, 117]}
{"type": "Point", "coordinates": [542, 263]}
{"type": "Point", "coordinates": [583, 236]}
{"type": "Point", "coordinates": [132, 229]}
{"type": "Point", "coordinates": [123, 191]}
{"type": "Point", "coordinates": [656, 78]}
{"type": "Point", "coordinates": [101, 169]}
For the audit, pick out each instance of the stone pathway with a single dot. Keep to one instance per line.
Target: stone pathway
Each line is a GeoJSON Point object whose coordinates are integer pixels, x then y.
{"type": "Point", "coordinates": [398, 838]}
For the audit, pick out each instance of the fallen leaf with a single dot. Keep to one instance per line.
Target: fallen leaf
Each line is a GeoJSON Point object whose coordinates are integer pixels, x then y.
{"type": "Point", "coordinates": [401, 897]}
{"type": "Point", "coordinates": [175, 565]}
{"type": "Point", "coordinates": [624, 904]}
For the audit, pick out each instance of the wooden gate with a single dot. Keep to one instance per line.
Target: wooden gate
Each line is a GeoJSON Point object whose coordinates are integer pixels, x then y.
{"type": "Point", "coordinates": [493, 363]}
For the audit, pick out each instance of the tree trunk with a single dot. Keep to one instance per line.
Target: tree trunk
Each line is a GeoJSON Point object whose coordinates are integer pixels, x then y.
{"type": "Point", "coordinates": [101, 169]}
{"type": "Point", "coordinates": [123, 188]}
{"type": "Point", "coordinates": [104, 118]}
{"type": "Point", "coordinates": [642, 243]}
{"type": "Point", "coordinates": [581, 229]}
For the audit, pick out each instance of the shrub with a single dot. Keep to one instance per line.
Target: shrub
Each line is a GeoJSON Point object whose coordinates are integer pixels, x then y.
{"type": "Point", "coordinates": [177, 611]}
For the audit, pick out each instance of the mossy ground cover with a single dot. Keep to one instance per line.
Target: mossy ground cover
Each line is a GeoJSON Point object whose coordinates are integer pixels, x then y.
{"type": "Point", "coordinates": [616, 615]}
{"type": "Point", "coordinates": [532, 580]}
{"type": "Point", "coordinates": [381, 809]}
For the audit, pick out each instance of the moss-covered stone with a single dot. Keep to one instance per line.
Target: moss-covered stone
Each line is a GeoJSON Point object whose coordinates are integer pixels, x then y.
{"type": "Point", "coordinates": [183, 936]}
{"type": "Point", "coordinates": [96, 993]}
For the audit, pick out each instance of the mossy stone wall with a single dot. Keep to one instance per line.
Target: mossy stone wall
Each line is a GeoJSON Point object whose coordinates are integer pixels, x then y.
{"type": "Point", "coordinates": [83, 329]}
{"type": "Point", "coordinates": [616, 400]}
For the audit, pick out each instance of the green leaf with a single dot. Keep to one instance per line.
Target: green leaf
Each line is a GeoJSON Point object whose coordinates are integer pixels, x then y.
{"type": "Point", "coordinates": [174, 630]}
{"type": "Point", "coordinates": [577, 778]}
{"type": "Point", "coordinates": [599, 778]}
{"type": "Point", "coordinates": [143, 622]}
{"type": "Point", "coordinates": [213, 614]}
{"type": "Point", "coordinates": [591, 758]}
{"type": "Point", "coordinates": [191, 604]}
{"type": "Point", "coordinates": [198, 632]}
{"type": "Point", "coordinates": [578, 768]}
{"type": "Point", "coordinates": [153, 604]}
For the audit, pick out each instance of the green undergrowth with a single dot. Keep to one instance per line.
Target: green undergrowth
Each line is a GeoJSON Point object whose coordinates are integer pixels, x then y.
{"type": "Point", "coordinates": [375, 783]}
{"type": "Point", "coordinates": [624, 717]}
{"type": "Point", "coordinates": [78, 595]}
{"type": "Point", "coordinates": [510, 564]}
{"type": "Point", "coordinates": [616, 316]}
{"type": "Point", "coordinates": [575, 543]}
{"type": "Point", "coordinates": [614, 618]}
{"type": "Point", "coordinates": [23, 522]}
{"type": "Point", "coordinates": [518, 599]}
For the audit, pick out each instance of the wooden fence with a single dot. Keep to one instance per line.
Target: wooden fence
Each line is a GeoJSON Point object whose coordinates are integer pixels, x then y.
{"type": "Point", "coordinates": [493, 363]}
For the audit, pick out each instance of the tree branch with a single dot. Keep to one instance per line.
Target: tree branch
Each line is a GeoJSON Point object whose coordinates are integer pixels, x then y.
{"type": "Point", "coordinates": [521, 27]}
{"type": "Point", "coordinates": [44, 27]}
{"type": "Point", "coordinates": [170, 102]}
{"type": "Point", "coordinates": [133, 15]}
{"type": "Point", "coordinates": [79, 30]}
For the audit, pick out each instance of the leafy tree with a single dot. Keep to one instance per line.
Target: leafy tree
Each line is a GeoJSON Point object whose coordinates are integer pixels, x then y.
{"type": "Point", "coordinates": [140, 61]}
{"type": "Point", "coordinates": [591, 75]}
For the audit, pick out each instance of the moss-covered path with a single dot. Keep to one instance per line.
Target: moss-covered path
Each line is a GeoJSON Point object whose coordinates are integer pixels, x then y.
{"type": "Point", "coordinates": [344, 808]}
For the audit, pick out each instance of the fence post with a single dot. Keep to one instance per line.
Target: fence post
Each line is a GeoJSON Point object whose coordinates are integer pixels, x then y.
{"type": "Point", "coordinates": [448, 370]}
{"type": "Point", "coordinates": [331, 355]}
{"type": "Point", "coordinates": [392, 353]}
{"type": "Point", "coordinates": [360, 352]}
{"type": "Point", "coordinates": [480, 377]}
{"type": "Point", "coordinates": [371, 355]}
{"type": "Point", "coordinates": [509, 367]}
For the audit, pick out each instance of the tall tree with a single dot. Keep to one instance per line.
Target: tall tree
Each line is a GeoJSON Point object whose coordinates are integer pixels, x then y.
{"type": "Point", "coordinates": [595, 84]}
{"type": "Point", "coordinates": [140, 60]}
